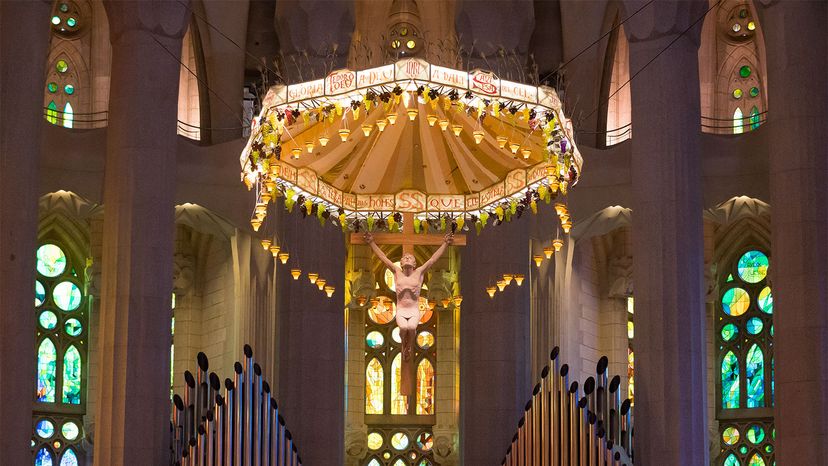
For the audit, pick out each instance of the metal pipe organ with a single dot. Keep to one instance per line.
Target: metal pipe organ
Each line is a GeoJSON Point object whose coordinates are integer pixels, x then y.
{"type": "Point", "coordinates": [565, 424]}
{"type": "Point", "coordinates": [239, 425]}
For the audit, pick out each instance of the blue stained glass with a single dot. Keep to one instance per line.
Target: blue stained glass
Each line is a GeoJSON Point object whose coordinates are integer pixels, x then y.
{"type": "Point", "coordinates": [755, 121]}
{"type": "Point", "coordinates": [730, 381]}
{"type": "Point", "coordinates": [73, 327]}
{"type": "Point", "coordinates": [765, 300]}
{"type": "Point", "coordinates": [44, 428]}
{"type": "Point", "coordinates": [71, 376]}
{"type": "Point", "coordinates": [755, 434]}
{"type": "Point", "coordinates": [755, 374]}
{"type": "Point", "coordinates": [51, 261]}
{"type": "Point", "coordinates": [729, 332]}
{"type": "Point", "coordinates": [43, 458]}
{"type": "Point", "coordinates": [46, 368]}
{"type": "Point", "coordinates": [754, 325]}
{"type": "Point", "coordinates": [40, 293]}
{"type": "Point", "coordinates": [731, 460]}
{"type": "Point", "coordinates": [69, 458]}
{"type": "Point", "coordinates": [753, 266]}
{"type": "Point", "coordinates": [67, 296]}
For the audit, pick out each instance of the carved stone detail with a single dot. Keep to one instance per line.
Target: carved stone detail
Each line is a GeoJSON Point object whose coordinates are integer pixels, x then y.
{"type": "Point", "coordinates": [183, 273]}
{"type": "Point", "coordinates": [620, 277]}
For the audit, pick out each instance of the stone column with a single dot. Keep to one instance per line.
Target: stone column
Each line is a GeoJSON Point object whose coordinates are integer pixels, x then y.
{"type": "Point", "coordinates": [133, 400]}
{"type": "Point", "coordinates": [670, 350]}
{"type": "Point", "coordinates": [24, 38]}
{"type": "Point", "coordinates": [312, 338]}
{"type": "Point", "coordinates": [797, 103]}
{"type": "Point", "coordinates": [494, 342]}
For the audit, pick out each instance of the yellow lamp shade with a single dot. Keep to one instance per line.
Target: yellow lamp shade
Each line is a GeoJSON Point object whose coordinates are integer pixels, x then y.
{"type": "Point", "coordinates": [261, 208]}
{"type": "Point", "coordinates": [309, 146]}
{"type": "Point", "coordinates": [361, 300]}
{"type": "Point", "coordinates": [323, 140]}
{"type": "Point", "coordinates": [478, 136]}
{"type": "Point", "coordinates": [491, 290]}
{"type": "Point", "coordinates": [526, 153]}
{"type": "Point", "coordinates": [266, 244]}
{"type": "Point", "coordinates": [557, 243]}
{"type": "Point", "coordinates": [513, 146]}
{"type": "Point", "coordinates": [295, 153]}
{"type": "Point", "coordinates": [329, 290]}
{"type": "Point", "coordinates": [566, 227]}
{"type": "Point", "coordinates": [320, 282]}
{"type": "Point", "coordinates": [392, 118]}
{"type": "Point", "coordinates": [412, 113]}
{"type": "Point", "coordinates": [538, 259]}
{"type": "Point", "coordinates": [501, 284]}
{"type": "Point", "coordinates": [554, 185]}
{"type": "Point", "coordinates": [432, 304]}
{"type": "Point", "coordinates": [444, 124]}
{"type": "Point", "coordinates": [501, 141]}
{"type": "Point", "coordinates": [283, 257]}
{"type": "Point", "coordinates": [560, 208]}
{"type": "Point", "coordinates": [445, 302]}
{"type": "Point", "coordinates": [547, 251]}
{"type": "Point", "coordinates": [457, 300]}
{"type": "Point", "coordinates": [266, 196]}
{"type": "Point", "coordinates": [456, 129]}
{"type": "Point", "coordinates": [344, 133]}
{"type": "Point", "coordinates": [507, 277]}
{"type": "Point", "coordinates": [274, 249]}
{"type": "Point", "coordinates": [519, 279]}
{"type": "Point", "coordinates": [431, 119]}
{"type": "Point", "coordinates": [296, 273]}
{"type": "Point", "coordinates": [381, 123]}
{"type": "Point", "coordinates": [312, 276]}
{"type": "Point", "coordinates": [366, 129]}
{"type": "Point", "coordinates": [255, 223]}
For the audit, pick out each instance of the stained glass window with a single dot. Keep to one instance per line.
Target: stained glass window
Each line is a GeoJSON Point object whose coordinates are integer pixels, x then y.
{"type": "Point", "coordinates": [745, 351]}
{"type": "Point", "coordinates": [737, 121]}
{"type": "Point", "coordinates": [399, 402]}
{"type": "Point", "coordinates": [425, 387]}
{"type": "Point", "coordinates": [374, 387]}
{"type": "Point", "coordinates": [61, 313]}
{"type": "Point", "coordinates": [630, 352]}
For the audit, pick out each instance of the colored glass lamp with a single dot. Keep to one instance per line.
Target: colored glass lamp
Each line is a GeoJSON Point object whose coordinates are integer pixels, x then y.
{"type": "Point", "coordinates": [309, 146]}
{"type": "Point", "coordinates": [445, 302]}
{"type": "Point", "coordinates": [432, 119]}
{"type": "Point", "coordinates": [519, 279]}
{"type": "Point", "coordinates": [313, 276]}
{"type": "Point", "coordinates": [491, 290]}
{"type": "Point", "coordinates": [255, 223]}
{"type": "Point", "coordinates": [547, 251]}
{"type": "Point", "coordinates": [344, 133]}
{"type": "Point", "coordinates": [392, 118]}
{"type": "Point", "coordinates": [283, 257]}
{"type": "Point", "coordinates": [458, 299]}
{"type": "Point", "coordinates": [538, 259]}
{"type": "Point", "coordinates": [266, 244]}
{"type": "Point", "coordinates": [507, 277]}
{"type": "Point", "coordinates": [501, 284]}
{"type": "Point", "coordinates": [323, 140]}
{"type": "Point", "coordinates": [329, 290]}
{"type": "Point", "coordinates": [366, 129]}
{"type": "Point", "coordinates": [478, 136]}
{"type": "Point", "coordinates": [444, 124]}
{"type": "Point", "coordinates": [274, 249]}
{"type": "Point", "coordinates": [412, 113]}
{"type": "Point", "coordinates": [456, 129]}
{"type": "Point", "coordinates": [296, 153]}
{"type": "Point", "coordinates": [320, 282]}
{"type": "Point", "coordinates": [513, 146]}
{"type": "Point", "coordinates": [296, 273]}
{"type": "Point", "coordinates": [501, 141]}
{"type": "Point", "coordinates": [557, 243]}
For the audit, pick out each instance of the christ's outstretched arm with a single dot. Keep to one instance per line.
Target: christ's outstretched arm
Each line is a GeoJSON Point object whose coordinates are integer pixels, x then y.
{"type": "Point", "coordinates": [369, 238]}
{"type": "Point", "coordinates": [439, 252]}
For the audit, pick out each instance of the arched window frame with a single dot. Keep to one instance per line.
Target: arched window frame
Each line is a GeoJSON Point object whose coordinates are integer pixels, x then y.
{"type": "Point", "coordinates": [615, 118]}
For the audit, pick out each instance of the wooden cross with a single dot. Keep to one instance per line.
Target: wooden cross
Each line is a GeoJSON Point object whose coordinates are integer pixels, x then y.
{"type": "Point", "coordinates": [408, 239]}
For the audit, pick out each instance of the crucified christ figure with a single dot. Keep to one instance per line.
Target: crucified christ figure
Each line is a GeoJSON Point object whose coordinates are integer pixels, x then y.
{"type": "Point", "coordinates": [408, 279]}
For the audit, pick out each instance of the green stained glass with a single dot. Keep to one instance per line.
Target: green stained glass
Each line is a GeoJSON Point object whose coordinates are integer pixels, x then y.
{"type": "Point", "coordinates": [744, 71]}
{"type": "Point", "coordinates": [43, 458]}
{"type": "Point", "coordinates": [743, 13]}
{"type": "Point", "coordinates": [765, 300]}
{"type": "Point", "coordinates": [51, 113]}
{"type": "Point", "coordinates": [729, 332]}
{"type": "Point", "coordinates": [753, 266]}
{"type": "Point", "coordinates": [71, 22]}
{"type": "Point", "coordinates": [730, 278]}
{"type": "Point", "coordinates": [769, 448]}
{"type": "Point", "coordinates": [374, 339]}
{"type": "Point", "coordinates": [737, 93]}
{"type": "Point", "coordinates": [731, 460]}
{"type": "Point", "coordinates": [51, 261]}
{"type": "Point", "coordinates": [70, 430]}
{"type": "Point", "coordinates": [72, 376]}
{"type": "Point", "coordinates": [743, 449]}
{"type": "Point", "coordinates": [40, 293]}
{"type": "Point", "coordinates": [52, 87]}
{"type": "Point", "coordinates": [55, 20]}
{"type": "Point", "coordinates": [44, 428]}
{"type": "Point", "coordinates": [46, 369]}
{"type": "Point", "coordinates": [67, 296]}
{"type": "Point", "coordinates": [754, 325]}
{"type": "Point", "coordinates": [755, 119]}
{"type": "Point", "coordinates": [730, 381]}
{"type": "Point", "coordinates": [69, 89]}
{"type": "Point", "coordinates": [755, 375]}
{"type": "Point", "coordinates": [754, 91]}
{"type": "Point", "coordinates": [64, 7]}
{"type": "Point", "coordinates": [756, 460]}
{"type": "Point", "coordinates": [730, 436]}
{"type": "Point", "coordinates": [735, 302]}
{"type": "Point", "coordinates": [47, 320]}
{"type": "Point", "coordinates": [61, 66]}
{"type": "Point", "coordinates": [425, 462]}
{"type": "Point", "coordinates": [73, 327]}
{"type": "Point", "coordinates": [755, 434]}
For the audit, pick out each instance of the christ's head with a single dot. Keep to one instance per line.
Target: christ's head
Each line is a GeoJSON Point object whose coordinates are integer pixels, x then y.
{"type": "Point", "coordinates": [408, 263]}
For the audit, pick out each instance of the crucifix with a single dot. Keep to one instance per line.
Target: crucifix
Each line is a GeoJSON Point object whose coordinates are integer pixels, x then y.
{"type": "Point", "coordinates": [409, 281]}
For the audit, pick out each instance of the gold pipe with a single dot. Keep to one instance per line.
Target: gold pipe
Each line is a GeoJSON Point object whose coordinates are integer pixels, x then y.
{"type": "Point", "coordinates": [573, 424]}
{"type": "Point", "coordinates": [563, 416]}
{"type": "Point", "coordinates": [543, 401]}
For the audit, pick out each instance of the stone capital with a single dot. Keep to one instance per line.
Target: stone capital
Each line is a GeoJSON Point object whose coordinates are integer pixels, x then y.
{"type": "Point", "coordinates": [183, 273]}
{"type": "Point", "coordinates": [162, 18]}
{"type": "Point", "coordinates": [664, 19]}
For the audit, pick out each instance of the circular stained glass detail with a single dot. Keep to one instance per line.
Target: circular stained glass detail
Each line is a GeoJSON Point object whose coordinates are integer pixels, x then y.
{"type": "Point", "coordinates": [425, 441]}
{"type": "Point", "coordinates": [51, 261]}
{"type": "Point", "coordinates": [751, 26]}
{"type": "Point", "coordinates": [44, 428]}
{"type": "Point", "coordinates": [744, 71]}
{"type": "Point", "coordinates": [743, 13]}
{"type": "Point", "coordinates": [56, 444]}
{"type": "Point", "coordinates": [70, 430]}
{"type": "Point", "coordinates": [754, 91]}
{"type": "Point", "coordinates": [67, 296]}
{"type": "Point", "coordinates": [399, 441]}
{"type": "Point", "coordinates": [771, 329]}
{"type": "Point", "coordinates": [71, 22]}
{"type": "Point", "coordinates": [743, 449]}
{"type": "Point", "coordinates": [73, 327]}
{"type": "Point", "coordinates": [755, 434]}
{"type": "Point", "coordinates": [383, 312]}
{"type": "Point", "coordinates": [61, 66]}
{"type": "Point", "coordinates": [729, 332]}
{"type": "Point", "coordinates": [52, 87]}
{"type": "Point", "coordinates": [395, 335]}
{"type": "Point", "coordinates": [756, 460]}
{"type": "Point", "coordinates": [40, 293]}
{"type": "Point", "coordinates": [425, 340]}
{"type": "Point", "coordinates": [69, 89]}
{"type": "Point", "coordinates": [769, 448]}
{"type": "Point", "coordinates": [47, 320]}
{"type": "Point", "coordinates": [737, 93]}
{"type": "Point", "coordinates": [55, 20]}
{"type": "Point", "coordinates": [730, 436]}
{"type": "Point", "coordinates": [386, 455]}
{"type": "Point", "coordinates": [736, 27]}
{"type": "Point", "coordinates": [412, 455]}
{"type": "Point", "coordinates": [753, 266]}
{"type": "Point", "coordinates": [754, 325]}
{"type": "Point", "coordinates": [765, 300]}
{"type": "Point", "coordinates": [374, 339]}
{"type": "Point", "coordinates": [735, 302]}
{"type": "Point", "coordinates": [410, 44]}
{"type": "Point", "coordinates": [374, 441]}
{"type": "Point", "coordinates": [64, 7]}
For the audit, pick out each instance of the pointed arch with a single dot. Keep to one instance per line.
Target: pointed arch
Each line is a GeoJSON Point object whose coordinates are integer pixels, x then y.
{"type": "Point", "coordinates": [69, 458]}
{"type": "Point", "coordinates": [374, 387]}
{"type": "Point", "coordinates": [425, 387]}
{"type": "Point", "coordinates": [615, 120]}
{"type": "Point", "coordinates": [46, 371]}
{"type": "Point", "coordinates": [189, 103]}
{"type": "Point", "coordinates": [398, 401]}
{"type": "Point", "coordinates": [730, 381]}
{"type": "Point", "coordinates": [68, 115]}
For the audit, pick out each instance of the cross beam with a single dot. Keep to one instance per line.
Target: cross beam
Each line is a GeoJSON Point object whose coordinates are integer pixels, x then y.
{"type": "Point", "coordinates": [408, 239]}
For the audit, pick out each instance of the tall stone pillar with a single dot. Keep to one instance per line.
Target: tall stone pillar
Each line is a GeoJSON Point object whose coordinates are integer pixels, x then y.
{"type": "Point", "coordinates": [132, 424]}
{"type": "Point", "coordinates": [671, 387]}
{"type": "Point", "coordinates": [312, 338]}
{"type": "Point", "coordinates": [24, 39]}
{"type": "Point", "coordinates": [494, 342]}
{"type": "Point", "coordinates": [797, 56]}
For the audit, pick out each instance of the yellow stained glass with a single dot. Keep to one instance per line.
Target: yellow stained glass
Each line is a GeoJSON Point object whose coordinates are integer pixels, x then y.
{"type": "Point", "coordinates": [631, 375]}
{"type": "Point", "coordinates": [399, 403]}
{"type": "Point", "coordinates": [373, 387]}
{"type": "Point", "coordinates": [735, 302]}
{"type": "Point", "coordinates": [425, 387]}
{"type": "Point", "coordinates": [374, 441]}
{"type": "Point", "coordinates": [425, 340]}
{"type": "Point", "coordinates": [730, 436]}
{"type": "Point", "coordinates": [630, 329]}
{"type": "Point", "coordinates": [384, 311]}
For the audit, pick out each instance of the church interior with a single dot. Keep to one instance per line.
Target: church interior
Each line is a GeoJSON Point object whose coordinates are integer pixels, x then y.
{"type": "Point", "coordinates": [627, 186]}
